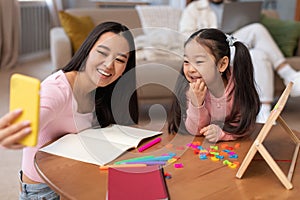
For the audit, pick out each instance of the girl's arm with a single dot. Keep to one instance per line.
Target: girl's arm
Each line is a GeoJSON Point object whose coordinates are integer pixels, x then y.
{"type": "Point", "coordinates": [197, 114]}
{"type": "Point", "coordinates": [197, 118]}
{"type": "Point", "coordinates": [213, 133]}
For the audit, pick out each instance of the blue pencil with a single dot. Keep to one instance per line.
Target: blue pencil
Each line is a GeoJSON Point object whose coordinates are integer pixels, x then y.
{"type": "Point", "coordinates": [158, 158]}
{"type": "Point", "coordinates": [133, 159]}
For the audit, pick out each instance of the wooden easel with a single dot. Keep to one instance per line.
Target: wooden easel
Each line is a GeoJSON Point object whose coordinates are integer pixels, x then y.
{"type": "Point", "coordinates": [258, 146]}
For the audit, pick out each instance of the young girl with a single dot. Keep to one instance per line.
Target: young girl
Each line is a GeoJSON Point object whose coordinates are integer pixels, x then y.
{"type": "Point", "coordinates": [266, 55]}
{"type": "Point", "coordinates": [90, 85]}
{"type": "Point", "coordinates": [214, 99]}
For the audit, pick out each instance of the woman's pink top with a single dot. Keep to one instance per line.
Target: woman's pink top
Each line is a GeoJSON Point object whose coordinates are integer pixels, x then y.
{"type": "Point", "coordinates": [213, 110]}
{"type": "Point", "coordinates": [58, 116]}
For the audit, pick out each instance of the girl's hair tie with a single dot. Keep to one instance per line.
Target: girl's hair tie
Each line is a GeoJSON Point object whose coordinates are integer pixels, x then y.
{"type": "Point", "coordinates": [230, 39]}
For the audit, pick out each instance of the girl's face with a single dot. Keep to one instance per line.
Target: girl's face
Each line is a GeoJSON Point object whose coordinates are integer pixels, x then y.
{"type": "Point", "coordinates": [199, 63]}
{"type": "Point", "coordinates": [107, 59]}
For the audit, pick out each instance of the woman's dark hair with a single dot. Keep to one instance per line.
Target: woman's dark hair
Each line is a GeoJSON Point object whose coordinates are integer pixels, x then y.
{"type": "Point", "coordinates": [105, 111]}
{"type": "Point", "coordinates": [246, 99]}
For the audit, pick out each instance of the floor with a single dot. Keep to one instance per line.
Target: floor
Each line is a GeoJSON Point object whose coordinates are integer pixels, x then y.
{"type": "Point", "coordinates": [10, 160]}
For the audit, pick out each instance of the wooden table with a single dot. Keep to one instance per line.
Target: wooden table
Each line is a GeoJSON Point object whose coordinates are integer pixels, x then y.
{"type": "Point", "coordinates": [199, 179]}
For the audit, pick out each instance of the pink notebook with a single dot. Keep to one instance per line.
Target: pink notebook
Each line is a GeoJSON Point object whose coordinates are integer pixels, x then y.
{"type": "Point", "coordinates": [136, 183]}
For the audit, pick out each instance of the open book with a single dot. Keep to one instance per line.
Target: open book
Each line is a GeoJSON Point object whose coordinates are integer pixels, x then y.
{"type": "Point", "coordinates": [100, 145]}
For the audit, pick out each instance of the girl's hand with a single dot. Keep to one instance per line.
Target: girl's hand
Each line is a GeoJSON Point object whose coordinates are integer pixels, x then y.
{"type": "Point", "coordinates": [197, 92]}
{"type": "Point", "coordinates": [10, 134]}
{"type": "Point", "coordinates": [211, 132]}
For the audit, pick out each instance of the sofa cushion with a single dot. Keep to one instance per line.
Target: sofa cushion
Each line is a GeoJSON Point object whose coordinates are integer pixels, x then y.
{"type": "Point", "coordinates": [76, 27]}
{"type": "Point", "coordinates": [286, 33]}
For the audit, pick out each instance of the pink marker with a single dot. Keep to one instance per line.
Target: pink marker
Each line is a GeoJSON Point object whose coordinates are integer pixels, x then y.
{"type": "Point", "coordinates": [150, 144]}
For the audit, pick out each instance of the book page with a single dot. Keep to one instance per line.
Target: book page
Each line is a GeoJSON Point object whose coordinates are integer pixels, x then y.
{"type": "Point", "coordinates": [101, 150]}
{"type": "Point", "coordinates": [86, 149]}
{"type": "Point", "coordinates": [69, 146]}
{"type": "Point", "coordinates": [120, 134]}
{"type": "Point", "coordinates": [106, 144]}
{"type": "Point", "coordinates": [100, 145]}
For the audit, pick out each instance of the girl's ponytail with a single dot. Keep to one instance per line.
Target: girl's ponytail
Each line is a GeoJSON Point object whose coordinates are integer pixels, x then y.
{"type": "Point", "coordinates": [246, 96]}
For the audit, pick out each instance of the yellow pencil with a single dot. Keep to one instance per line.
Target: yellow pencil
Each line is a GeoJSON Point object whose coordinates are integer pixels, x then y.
{"type": "Point", "coordinates": [105, 167]}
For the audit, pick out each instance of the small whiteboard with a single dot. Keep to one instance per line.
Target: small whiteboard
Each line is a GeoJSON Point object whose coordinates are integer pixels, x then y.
{"type": "Point", "coordinates": [258, 143]}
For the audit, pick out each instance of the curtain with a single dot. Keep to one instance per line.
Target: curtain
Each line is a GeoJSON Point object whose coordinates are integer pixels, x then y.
{"type": "Point", "coordinates": [9, 33]}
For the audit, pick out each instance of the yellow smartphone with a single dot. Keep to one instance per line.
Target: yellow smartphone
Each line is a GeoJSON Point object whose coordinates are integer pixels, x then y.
{"type": "Point", "coordinates": [25, 94]}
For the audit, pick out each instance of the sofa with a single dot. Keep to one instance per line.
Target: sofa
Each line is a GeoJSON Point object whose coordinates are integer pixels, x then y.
{"type": "Point", "coordinates": [156, 72]}
{"type": "Point", "coordinates": [156, 69]}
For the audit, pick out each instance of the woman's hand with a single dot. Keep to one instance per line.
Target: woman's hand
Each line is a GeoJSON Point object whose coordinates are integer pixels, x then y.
{"type": "Point", "coordinates": [197, 92]}
{"type": "Point", "coordinates": [10, 134]}
{"type": "Point", "coordinates": [211, 132]}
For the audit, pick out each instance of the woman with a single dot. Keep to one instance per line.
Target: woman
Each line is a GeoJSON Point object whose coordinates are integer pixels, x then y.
{"type": "Point", "coordinates": [99, 82]}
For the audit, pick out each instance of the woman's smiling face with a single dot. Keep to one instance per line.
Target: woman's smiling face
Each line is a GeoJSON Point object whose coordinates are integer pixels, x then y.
{"type": "Point", "coordinates": [107, 59]}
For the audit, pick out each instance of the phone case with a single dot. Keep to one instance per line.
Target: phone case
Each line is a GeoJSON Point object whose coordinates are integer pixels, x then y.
{"type": "Point", "coordinates": [25, 94]}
